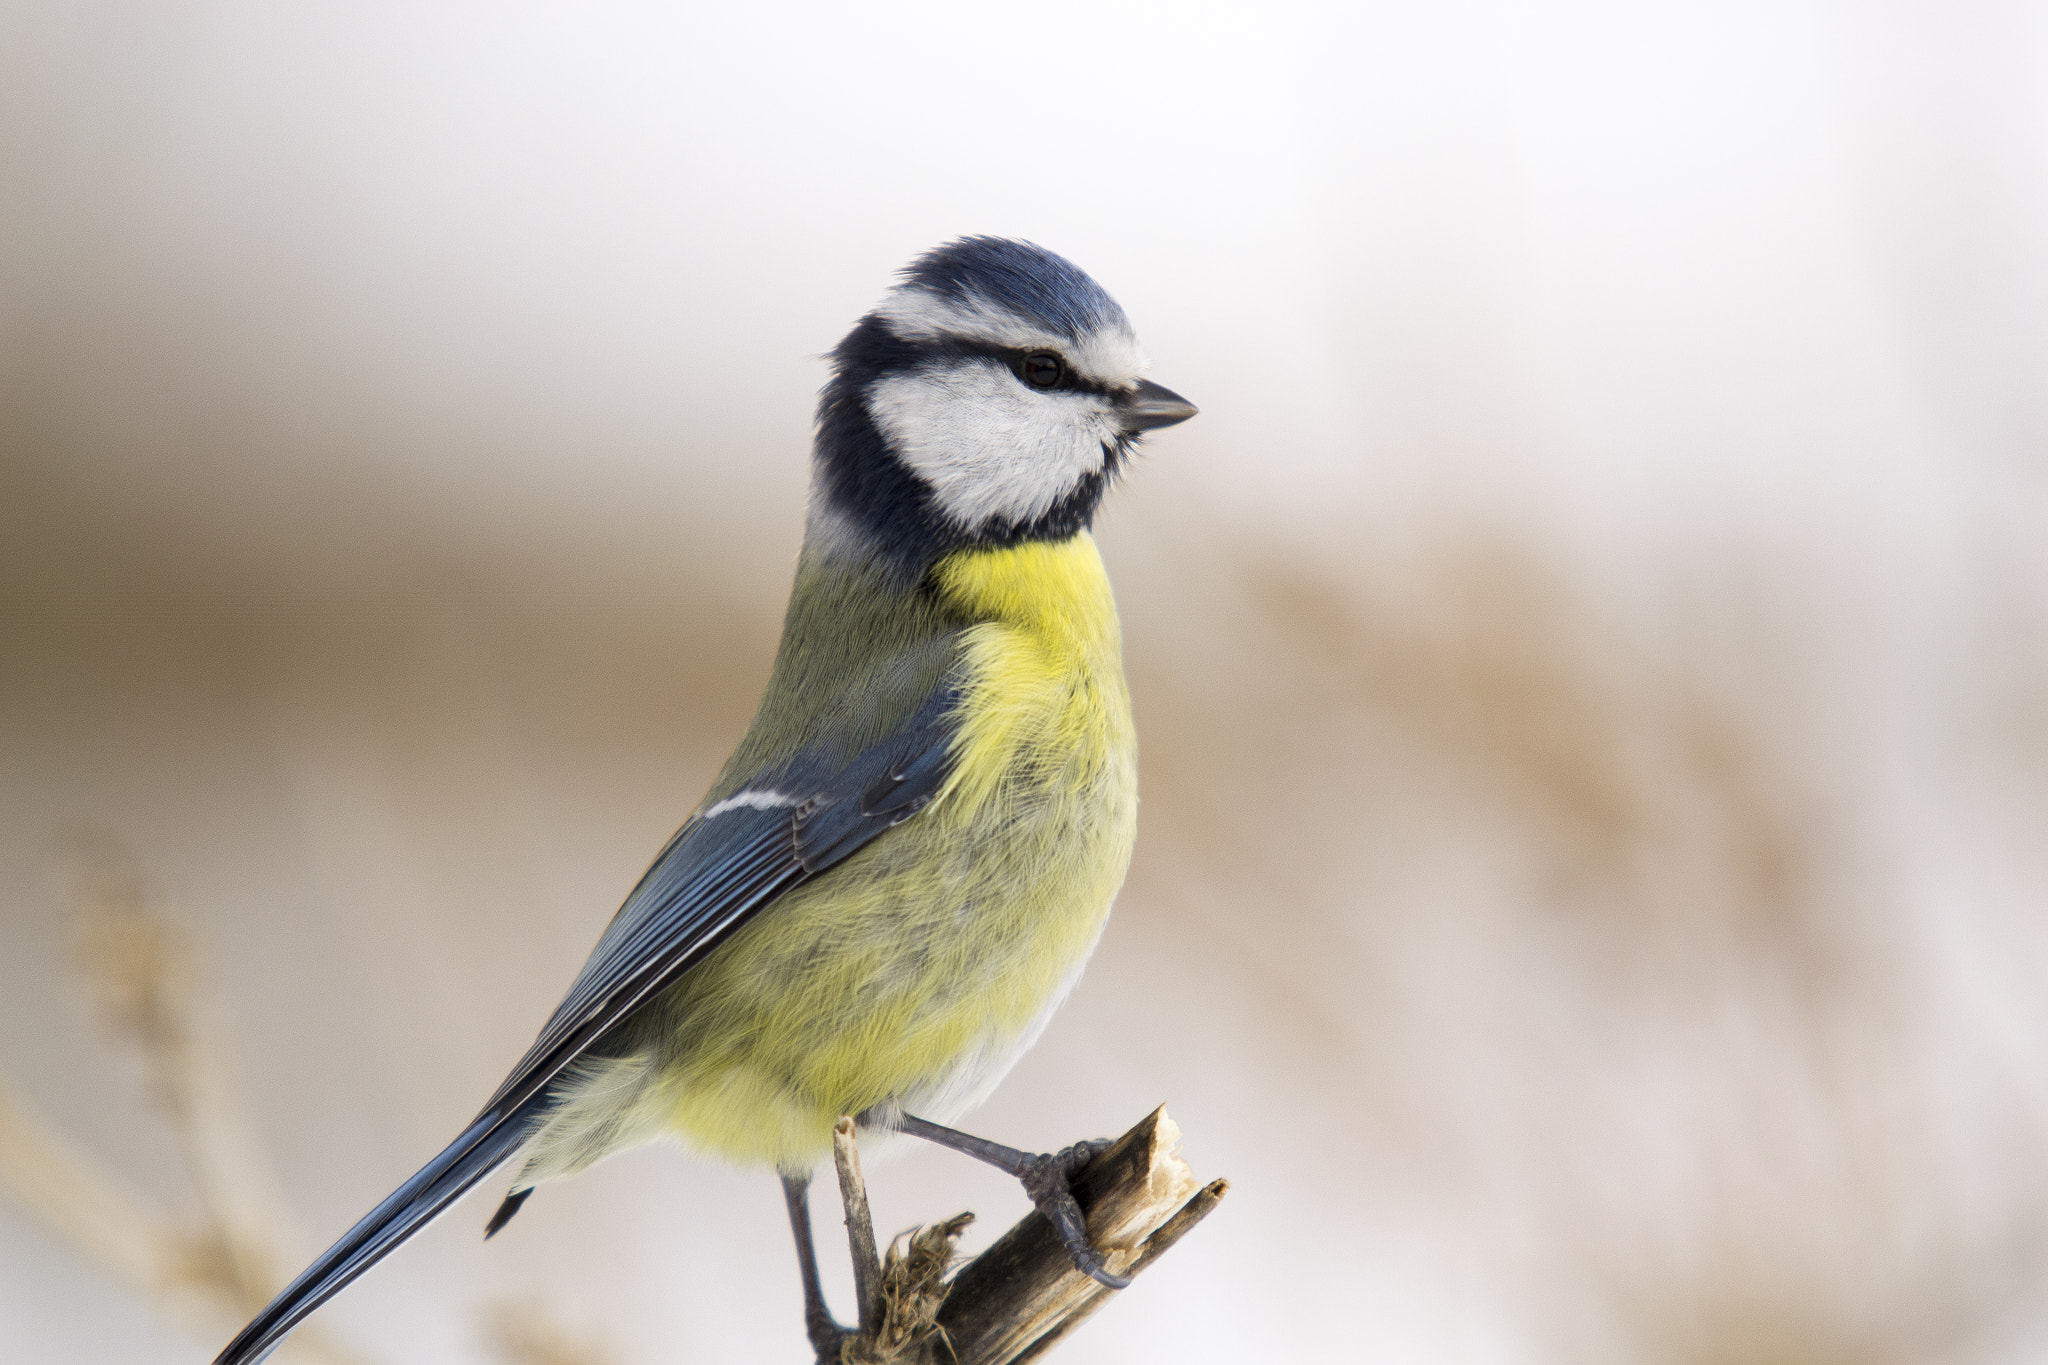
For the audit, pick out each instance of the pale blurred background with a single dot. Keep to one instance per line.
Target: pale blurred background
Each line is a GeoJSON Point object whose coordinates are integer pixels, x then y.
{"type": "Point", "coordinates": [1591, 651]}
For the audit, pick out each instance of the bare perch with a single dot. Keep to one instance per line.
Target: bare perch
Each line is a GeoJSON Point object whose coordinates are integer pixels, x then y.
{"type": "Point", "coordinates": [860, 1229]}
{"type": "Point", "coordinates": [1015, 1300]}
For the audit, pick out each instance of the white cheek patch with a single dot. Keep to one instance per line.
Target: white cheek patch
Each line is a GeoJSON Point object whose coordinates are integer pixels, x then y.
{"type": "Point", "coordinates": [1110, 355]}
{"type": "Point", "coordinates": [985, 445]}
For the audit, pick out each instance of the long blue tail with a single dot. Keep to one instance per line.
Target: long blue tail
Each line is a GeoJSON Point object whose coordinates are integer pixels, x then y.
{"type": "Point", "coordinates": [485, 1145]}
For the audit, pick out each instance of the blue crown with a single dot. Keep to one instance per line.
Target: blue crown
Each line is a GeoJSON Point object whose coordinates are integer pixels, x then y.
{"type": "Point", "coordinates": [1038, 286]}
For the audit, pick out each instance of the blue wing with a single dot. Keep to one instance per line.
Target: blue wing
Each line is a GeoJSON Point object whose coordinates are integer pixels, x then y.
{"type": "Point", "coordinates": [719, 870]}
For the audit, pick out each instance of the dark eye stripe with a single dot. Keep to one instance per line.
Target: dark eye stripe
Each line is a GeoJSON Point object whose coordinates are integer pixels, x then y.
{"type": "Point", "coordinates": [1071, 380]}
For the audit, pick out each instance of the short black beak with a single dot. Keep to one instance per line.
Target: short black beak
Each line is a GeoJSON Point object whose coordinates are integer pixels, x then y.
{"type": "Point", "coordinates": [1154, 406]}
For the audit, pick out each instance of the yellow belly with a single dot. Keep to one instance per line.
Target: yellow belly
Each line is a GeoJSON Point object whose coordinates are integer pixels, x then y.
{"type": "Point", "coordinates": [914, 972]}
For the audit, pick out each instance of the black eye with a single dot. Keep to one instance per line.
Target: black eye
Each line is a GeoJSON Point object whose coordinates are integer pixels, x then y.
{"type": "Point", "coordinates": [1043, 369]}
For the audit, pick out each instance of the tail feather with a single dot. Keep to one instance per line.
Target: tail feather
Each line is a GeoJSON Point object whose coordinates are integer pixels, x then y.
{"type": "Point", "coordinates": [505, 1212]}
{"type": "Point", "coordinates": [483, 1147]}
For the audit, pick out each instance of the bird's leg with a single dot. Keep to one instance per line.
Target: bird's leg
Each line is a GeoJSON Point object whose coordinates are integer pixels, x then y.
{"type": "Point", "coordinates": [1044, 1177]}
{"type": "Point", "coordinates": [825, 1332]}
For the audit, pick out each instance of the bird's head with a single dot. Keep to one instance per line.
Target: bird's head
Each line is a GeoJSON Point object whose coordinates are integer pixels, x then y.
{"type": "Point", "coordinates": [990, 398]}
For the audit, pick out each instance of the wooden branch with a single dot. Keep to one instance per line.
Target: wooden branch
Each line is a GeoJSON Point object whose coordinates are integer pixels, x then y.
{"type": "Point", "coordinates": [1017, 1299]}
{"type": "Point", "coordinates": [860, 1228]}
{"type": "Point", "coordinates": [1022, 1294]}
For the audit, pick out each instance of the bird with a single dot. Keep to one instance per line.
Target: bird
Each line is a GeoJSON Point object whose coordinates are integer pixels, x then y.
{"type": "Point", "coordinates": [899, 873]}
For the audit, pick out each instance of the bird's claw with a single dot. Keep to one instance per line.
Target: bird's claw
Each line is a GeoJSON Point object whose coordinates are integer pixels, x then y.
{"type": "Point", "coordinates": [1045, 1179]}
{"type": "Point", "coordinates": [828, 1338]}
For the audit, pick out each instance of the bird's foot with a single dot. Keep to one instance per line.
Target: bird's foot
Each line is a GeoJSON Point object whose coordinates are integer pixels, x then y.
{"type": "Point", "coordinates": [828, 1338]}
{"type": "Point", "coordinates": [1046, 1178]}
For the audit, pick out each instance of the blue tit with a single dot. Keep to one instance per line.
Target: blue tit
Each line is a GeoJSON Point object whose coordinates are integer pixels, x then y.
{"type": "Point", "coordinates": [903, 867]}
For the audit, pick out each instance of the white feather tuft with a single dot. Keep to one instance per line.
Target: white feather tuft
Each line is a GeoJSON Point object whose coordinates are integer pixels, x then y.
{"type": "Point", "coordinates": [750, 800]}
{"type": "Point", "coordinates": [1109, 356]}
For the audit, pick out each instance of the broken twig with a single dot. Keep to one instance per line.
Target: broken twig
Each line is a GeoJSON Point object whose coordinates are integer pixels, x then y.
{"type": "Point", "coordinates": [860, 1229]}
{"type": "Point", "coordinates": [1022, 1295]}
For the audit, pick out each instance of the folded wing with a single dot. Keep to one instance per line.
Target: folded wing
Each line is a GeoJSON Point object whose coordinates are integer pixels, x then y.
{"type": "Point", "coordinates": [724, 866]}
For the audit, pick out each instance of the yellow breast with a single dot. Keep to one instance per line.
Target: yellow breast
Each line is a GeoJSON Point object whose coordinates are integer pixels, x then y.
{"type": "Point", "coordinates": [919, 968]}
{"type": "Point", "coordinates": [1046, 700]}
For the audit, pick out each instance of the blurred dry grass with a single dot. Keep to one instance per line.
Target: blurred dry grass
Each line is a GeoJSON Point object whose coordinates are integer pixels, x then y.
{"type": "Point", "coordinates": [1714, 1060]}
{"type": "Point", "coordinates": [212, 1271]}
{"type": "Point", "coordinates": [522, 1335]}
{"type": "Point", "coordinates": [208, 1272]}
{"type": "Point", "coordinates": [1650, 802]}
